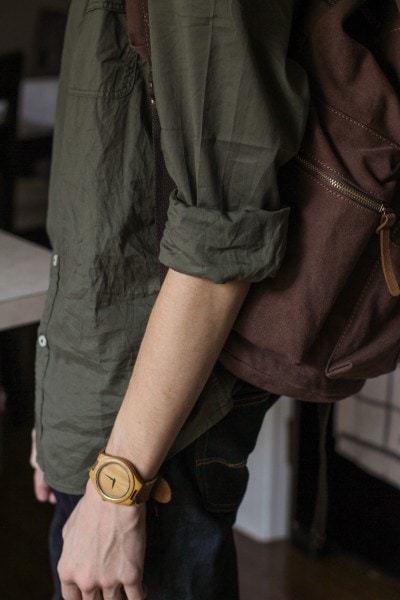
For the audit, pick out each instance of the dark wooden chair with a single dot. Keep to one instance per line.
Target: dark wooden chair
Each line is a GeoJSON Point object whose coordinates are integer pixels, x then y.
{"type": "Point", "coordinates": [10, 76]}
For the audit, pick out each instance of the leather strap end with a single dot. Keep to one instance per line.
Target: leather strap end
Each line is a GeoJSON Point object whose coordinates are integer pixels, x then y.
{"type": "Point", "coordinates": [387, 222]}
{"type": "Point", "coordinates": [161, 491]}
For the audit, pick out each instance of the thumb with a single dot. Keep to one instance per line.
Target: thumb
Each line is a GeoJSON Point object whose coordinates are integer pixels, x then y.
{"type": "Point", "coordinates": [42, 490]}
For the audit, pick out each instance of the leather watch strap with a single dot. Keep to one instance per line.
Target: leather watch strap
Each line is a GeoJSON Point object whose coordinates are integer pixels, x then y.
{"type": "Point", "coordinates": [158, 489]}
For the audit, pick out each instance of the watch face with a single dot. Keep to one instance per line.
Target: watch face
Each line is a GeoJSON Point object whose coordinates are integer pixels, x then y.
{"type": "Point", "coordinates": [115, 480]}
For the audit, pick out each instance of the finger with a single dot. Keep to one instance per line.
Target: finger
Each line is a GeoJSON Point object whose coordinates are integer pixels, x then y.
{"type": "Point", "coordinates": [136, 592]}
{"type": "Point", "coordinates": [70, 591]}
{"type": "Point", "coordinates": [52, 499]}
{"type": "Point", "coordinates": [32, 458]}
{"type": "Point", "coordinates": [93, 595]}
{"type": "Point", "coordinates": [124, 596]}
{"type": "Point", "coordinates": [114, 593]}
{"type": "Point", "coordinates": [41, 488]}
{"type": "Point", "coordinates": [42, 491]}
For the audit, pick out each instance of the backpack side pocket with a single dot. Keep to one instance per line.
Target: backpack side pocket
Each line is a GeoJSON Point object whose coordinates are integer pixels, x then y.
{"type": "Point", "coordinates": [370, 342]}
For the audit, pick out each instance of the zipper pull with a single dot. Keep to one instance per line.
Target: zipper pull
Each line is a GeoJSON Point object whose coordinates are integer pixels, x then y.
{"type": "Point", "coordinates": [387, 222]}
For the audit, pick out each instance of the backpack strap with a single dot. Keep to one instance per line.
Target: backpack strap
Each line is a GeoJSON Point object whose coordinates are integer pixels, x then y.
{"type": "Point", "coordinates": [139, 38]}
{"type": "Point", "coordinates": [387, 222]}
{"type": "Point", "coordinates": [138, 27]}
{"type": "Point", "coordinates": [319, 522]}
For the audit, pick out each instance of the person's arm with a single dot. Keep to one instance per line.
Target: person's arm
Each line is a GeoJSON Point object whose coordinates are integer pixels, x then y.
{"type": "Point", "coordinates": [187, 329]}
{"type": "Point", "coordinates": [188, 326]}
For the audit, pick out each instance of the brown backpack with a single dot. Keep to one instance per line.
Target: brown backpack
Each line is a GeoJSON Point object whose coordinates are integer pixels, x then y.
{"type": "Point", "coordinates": [331, 317]}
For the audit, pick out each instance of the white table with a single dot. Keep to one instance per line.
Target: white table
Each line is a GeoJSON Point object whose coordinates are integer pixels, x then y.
{"type": "Point", "coordinates": [37, 106]}
{"type": "Point", "coordinates": [24, 279]}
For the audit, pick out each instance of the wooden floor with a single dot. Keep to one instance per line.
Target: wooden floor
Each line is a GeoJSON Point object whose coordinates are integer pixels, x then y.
{"type": "Point", "coordinates": [274, 571]}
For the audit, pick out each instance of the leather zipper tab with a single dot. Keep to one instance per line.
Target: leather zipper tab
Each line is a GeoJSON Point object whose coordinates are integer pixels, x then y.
{"type": "Point", "coordinates": [387, 222]}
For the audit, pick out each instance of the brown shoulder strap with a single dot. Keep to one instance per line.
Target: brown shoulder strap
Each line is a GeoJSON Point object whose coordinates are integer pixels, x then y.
{"type": "Point", "coordinates": [139, 39]}
{"type": "Point", "coordinates": [319, 522]}
{"type": "Point", "coordinates": [138, 27]}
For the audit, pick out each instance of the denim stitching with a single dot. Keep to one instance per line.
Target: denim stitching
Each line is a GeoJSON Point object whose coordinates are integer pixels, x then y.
{"type": "Point", "coordinates": [254, 402]}
{"type": "Point", "coordinates": [202, 460]}
{"type": "Point", "coordinates": [221, 461]}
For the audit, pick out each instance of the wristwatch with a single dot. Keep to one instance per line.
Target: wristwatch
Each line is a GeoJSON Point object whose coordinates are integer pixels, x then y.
{"type": "Point", "coordinates": [116, 480]}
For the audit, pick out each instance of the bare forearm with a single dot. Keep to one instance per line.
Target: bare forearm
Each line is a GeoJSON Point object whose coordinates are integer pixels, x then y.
{"type": "Point", "coordinates": [187, 329]}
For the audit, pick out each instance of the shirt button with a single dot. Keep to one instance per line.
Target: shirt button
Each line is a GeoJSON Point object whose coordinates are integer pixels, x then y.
{"type": "Point", "coordinates": [55, 260]}
{"type": "Point", "coordinates": [42, 341]}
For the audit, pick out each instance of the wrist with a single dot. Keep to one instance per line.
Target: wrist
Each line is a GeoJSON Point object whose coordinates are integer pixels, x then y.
{"type": "Point", "coordinates": [134, 439]}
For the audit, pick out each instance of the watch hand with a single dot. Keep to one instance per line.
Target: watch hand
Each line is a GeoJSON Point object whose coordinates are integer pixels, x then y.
{"type": "Point", "coordinates": [112, 479]}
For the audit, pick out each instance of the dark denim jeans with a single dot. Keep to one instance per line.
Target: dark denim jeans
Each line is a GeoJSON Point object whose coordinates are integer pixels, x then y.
{"type": "Point", "coordinates": [190, 548]}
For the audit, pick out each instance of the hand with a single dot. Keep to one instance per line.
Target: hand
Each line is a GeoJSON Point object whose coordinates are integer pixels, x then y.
{"type": "Point", "coordinates": [103, 551]}
{"type": "Point", "coordinates": [42, 490]}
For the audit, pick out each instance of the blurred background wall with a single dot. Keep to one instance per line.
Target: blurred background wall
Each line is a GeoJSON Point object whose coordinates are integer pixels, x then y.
{"type": "Point", "coordinates": [20, 26]}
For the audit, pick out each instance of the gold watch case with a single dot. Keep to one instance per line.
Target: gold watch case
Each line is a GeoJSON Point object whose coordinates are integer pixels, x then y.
{"type": "Point", "coordinates": [116, 480]}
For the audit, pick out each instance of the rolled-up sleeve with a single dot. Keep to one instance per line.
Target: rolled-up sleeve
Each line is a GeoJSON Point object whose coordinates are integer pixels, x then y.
{"type": "Point", "coordinates": [232, 109]}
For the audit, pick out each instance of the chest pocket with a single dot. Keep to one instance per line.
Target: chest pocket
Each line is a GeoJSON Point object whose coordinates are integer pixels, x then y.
{"type": "Point", "coordinates": [103, 64]}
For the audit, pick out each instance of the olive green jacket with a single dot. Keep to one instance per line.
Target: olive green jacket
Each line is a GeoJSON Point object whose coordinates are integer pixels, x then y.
{"type": "Point", "coordinates": [232, 110]}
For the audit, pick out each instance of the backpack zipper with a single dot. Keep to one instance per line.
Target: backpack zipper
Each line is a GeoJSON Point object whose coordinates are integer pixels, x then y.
{"type": "Point", "coordinates": [388, 218]}
{"type": "Point", "coordinates": [344, 188]}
